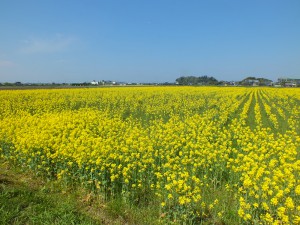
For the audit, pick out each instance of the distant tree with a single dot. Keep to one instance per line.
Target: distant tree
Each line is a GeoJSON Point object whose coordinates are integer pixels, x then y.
{"type": "Point", "coordinates": [8, 84]}
{"type": "Point", "coordinates": [192, 80]}
{"type": "Point", "coordinates": [250, 78]}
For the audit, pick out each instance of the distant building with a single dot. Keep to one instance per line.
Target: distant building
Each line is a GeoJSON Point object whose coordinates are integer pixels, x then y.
{"type": "Point", "coordinates": [227, 83]}
{"type": "Point", "coordinates": [94, 82]}
{"type": "Point", "coordinates": [289, 82]}
{"type": "Point", "coordinates": [251, 82]}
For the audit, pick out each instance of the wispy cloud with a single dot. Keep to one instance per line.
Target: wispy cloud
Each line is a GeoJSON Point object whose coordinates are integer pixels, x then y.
{"type": "Point", "coordinates": [6, 63]}
{"type": "Point", "coordinates": [47, 45]}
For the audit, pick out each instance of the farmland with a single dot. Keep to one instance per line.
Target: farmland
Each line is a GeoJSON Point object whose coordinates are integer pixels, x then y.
{"type": "Point", "coordinates": [200, 154]}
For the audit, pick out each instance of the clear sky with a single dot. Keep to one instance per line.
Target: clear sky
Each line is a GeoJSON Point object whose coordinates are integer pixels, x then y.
{"type": "Point", "coordinates": [148, 40]}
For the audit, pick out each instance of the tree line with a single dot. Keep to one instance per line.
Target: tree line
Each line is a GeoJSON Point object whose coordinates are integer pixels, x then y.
{"type": "Point", "coordinates": [192, 80]}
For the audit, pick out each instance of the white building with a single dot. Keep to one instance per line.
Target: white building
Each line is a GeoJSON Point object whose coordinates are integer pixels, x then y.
{"type": "Point", "coordinates": [94, 82]}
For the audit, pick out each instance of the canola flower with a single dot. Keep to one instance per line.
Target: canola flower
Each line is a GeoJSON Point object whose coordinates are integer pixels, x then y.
{"type": "Point", "coordinates": [194, 148]}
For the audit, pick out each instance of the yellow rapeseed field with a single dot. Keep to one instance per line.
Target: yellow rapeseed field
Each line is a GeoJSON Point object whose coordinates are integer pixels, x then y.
{"type": "Point", "coordinates": [200, 152]}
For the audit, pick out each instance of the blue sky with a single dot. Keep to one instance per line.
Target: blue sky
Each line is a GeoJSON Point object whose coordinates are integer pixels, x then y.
{"type": "Point", "coordinates": [148, 41]}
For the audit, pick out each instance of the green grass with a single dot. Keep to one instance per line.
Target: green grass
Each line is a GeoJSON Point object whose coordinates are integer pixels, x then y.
{"type": "Point", "coordinates": [117, 209]}
{"type": "Point", "coordinates": [27, 199]}
{"type": "Point", "coordinates": [251, 115]}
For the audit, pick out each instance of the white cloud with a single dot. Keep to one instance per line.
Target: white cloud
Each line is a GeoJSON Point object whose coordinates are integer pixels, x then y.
{"type": "Point", "coordinates": [47, 45]}
{"type": "Point", "coordinates": [6, 63]}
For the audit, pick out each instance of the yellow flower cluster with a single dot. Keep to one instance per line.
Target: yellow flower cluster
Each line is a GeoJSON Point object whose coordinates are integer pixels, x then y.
{"type": "Point", "coordinates": [184, 145]}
